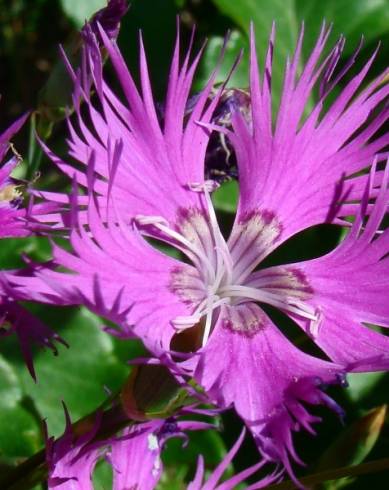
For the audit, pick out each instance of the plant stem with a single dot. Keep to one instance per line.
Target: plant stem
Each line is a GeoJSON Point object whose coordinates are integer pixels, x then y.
{"type": "Point", "coordinates": [335, 474]}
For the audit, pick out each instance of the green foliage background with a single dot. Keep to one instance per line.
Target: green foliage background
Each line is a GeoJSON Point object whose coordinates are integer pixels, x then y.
{"type": "Point", "coordinates": [30, 32]}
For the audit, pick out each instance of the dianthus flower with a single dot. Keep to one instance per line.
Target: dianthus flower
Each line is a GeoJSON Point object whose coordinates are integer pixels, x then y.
{"type": "Point", "coordinates": [135, 457]}
{"type": "Point", "coordinates": [145, 183]}
{"type": "Point", "coordinates": [12, 214]}
{"type": "Point", "coordinates": [18, 221]}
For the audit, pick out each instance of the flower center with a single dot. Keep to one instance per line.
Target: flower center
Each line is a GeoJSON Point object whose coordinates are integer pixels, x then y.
{"type": "Point", "coordinates": [223, 270]}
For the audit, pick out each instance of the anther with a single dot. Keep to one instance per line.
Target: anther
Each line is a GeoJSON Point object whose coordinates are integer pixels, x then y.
{"type": "Point", "coordinates": [150, 220]}
{"type": "Point", "coordinates": [314, 325]}
{"type": "Point", "coordinates": [207, 185]}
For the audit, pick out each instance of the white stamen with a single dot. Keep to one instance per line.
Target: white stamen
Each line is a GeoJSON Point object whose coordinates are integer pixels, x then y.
{"type": "Point", "coordinates": [302, 306]}
{"type": "Point", "coordinates": [220, 277]}
{"type": "Point", "coordinates": [225, 147]}
{"type": "Point", "coordinates": [208, 305]}
{"type": "Point", "coordinates": [163, 226]}
{"type": "Point", "coordinates": [208, 321]}
{"type": "Point", "coordinates": [157, 467]}
{"type": "Point", "coordinates": [184, 322]}
{"type": "Point", "coordinates": [220, 270]}
{"type": "Point", "coordinates": [221, 246]}
{"type": "Point", "coordinates": [211, 306]}
{"type": "Point", "coordinates": [150, 220]}
{"type": "Point", "coordinates": [269, 298]}
{"type": "Point", "coordinates": [207, 185]}
{"type": "Point", "coordinates": [314, 326]}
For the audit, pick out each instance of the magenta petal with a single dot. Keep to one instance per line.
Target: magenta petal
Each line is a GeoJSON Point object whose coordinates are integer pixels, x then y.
{"type": "Point", "coordinates": [349, 290]}
{"type": "Point", "coordinates": [73, 472]}
{"type": "Point", "coordinates": [264, 359]}
{"type": "Point", "coordinates": [136, 288]}
{"type": "Point", "coordinates": [300, 167]}
{"type": "Point", "coordinates": [7, 135]}
{"type": "Point", "coordinates": [12, 218]}
{"type": "Point", "coordinates": [70, 464]}
{"type": "Point", "coordinates": [136, 456]}
{"type": "Point", "coordinates": [213, 481]}
{"type": "Point", "coordinates": [157, 164]}
{"type": "Point", "coordinates": [16, 221]}
{"type": "Point", "coordinates": [14, 318]}
{"type": "Point", "coordinates": [28, 329]}
{"type": "Point", "coordinates": [136, 459]}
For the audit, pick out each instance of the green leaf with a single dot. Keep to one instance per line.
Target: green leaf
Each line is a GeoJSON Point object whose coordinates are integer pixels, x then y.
{"type": "Point", "coordinates": [362, 386]}
{"type": "Point", "coordinates": [225, 198]}
{"type": "Point", "coordinates": [173, 478]}
{"type": "Point", "coordinates": [353, 445]}
{"type": "Point", "coordinates": [10, 391]}
{"type": "Point", "coordinates": [78, 375]}
{"type": "Point", "coordinates": [239, 79]}
{"type": "Point", "coordinates": [352, 19]}
{"type": "Point", "coordinates": [262, 13]}
{"type": "Point", "coordinates": [208, 443]}
{"type": "Point", "coordinates": [79, 11]}
{"type": "Point", "coordinates": [334, 474]}
{"type": "Point", "coordinates": [19, 431]}
{"type": "Point", "coordinates": [11, 250]}
{"type": "Point", "coordinates": [102, 476]}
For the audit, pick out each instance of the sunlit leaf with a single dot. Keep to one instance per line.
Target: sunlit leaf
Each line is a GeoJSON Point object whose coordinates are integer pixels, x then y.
{"type": "Point", "coordinates": [236, 42]}
{"type": "Point", "coordinates": [262, 13]}
{"type": "Point", "coordinates": [12, 249]}
{"type": "Point", "coordinates": [19, 430]}
{"type": "Point", "coordinates": [79, 12]}
{"type": "Point", "coordinates": [79, 375]}
{"type": "Point", "coordinates": [184, 458]}
{"type": "Point", "coordinates": [226, 197]}
{"type": "Point", "coordinates": [362, 385]}
{"type": "Point", "coordinates": [352, 446]}
{"type": "Point", "coordinates": [352, 19]}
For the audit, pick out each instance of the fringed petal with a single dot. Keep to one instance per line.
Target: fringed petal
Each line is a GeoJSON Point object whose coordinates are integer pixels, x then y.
{"type": "Point", "coordinates": [305, 169]}
{"type": "Point", "coordinates": [157, 162]}
{"type": "Point", "coordinates": [213, 481]}
{"type": "Point", "coordinates": [256, 370]}
{"type": "Point", "coordinates": [348, 288]}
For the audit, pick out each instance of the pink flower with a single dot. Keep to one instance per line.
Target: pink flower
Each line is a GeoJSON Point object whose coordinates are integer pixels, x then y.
{"type": "Point", "coordinates": [135, 457]}
{"type": "Point", "coordinates": [12, 214]}
{"type": "Point", "coordinates": [18, 221]}
{"type": "Point", "coordinates": [145, 182]}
